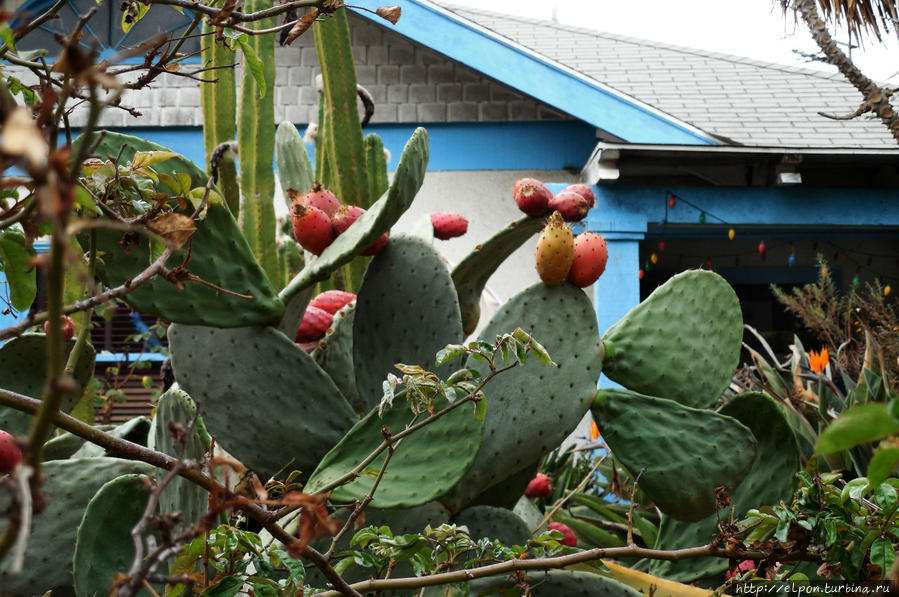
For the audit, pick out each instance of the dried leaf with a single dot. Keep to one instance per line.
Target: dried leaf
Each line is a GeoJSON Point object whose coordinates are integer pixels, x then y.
{"type": "Point", "coordinates": [390, 13]}
{"type": "Point", "coordinates": [22, 138]}
{"type": "Point", "coordinates": [314, 520]}
{"type": "Point", "coordinates": [301, 26]}
{"type": "Point", "coordinates": [174, 228]}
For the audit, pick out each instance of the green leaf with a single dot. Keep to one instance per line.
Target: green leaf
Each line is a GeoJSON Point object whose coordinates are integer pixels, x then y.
{"type": "Point", "coordinates": [541, 353]}
{"type": "Point", "coordinates": [860, 424]}
{"type": "Point", "coordinates": [84, 200]}
{"type": "Point", "coordinates": [142, 159]}
{"type": "Point", "coordinates": [882, 553]}
{"type": "Point", "coordinates": [480, 408]}
{"type": "Point", "coordinates": [7, 36]}
{"type": "Point", "coordinates": [296, 568]}
{"type": "Point", "coordinates": [882, 464]}
{"type": "Point", "coordinates": [252, 62]}
{"type": "Point", "coordinates": [886, 497]}
{"type": "Point", "coordinates": [227, 587]}
{"type": "Point", "coordinates": [20, 275]}
{"type": "Point", "coordinates": [854, 489]}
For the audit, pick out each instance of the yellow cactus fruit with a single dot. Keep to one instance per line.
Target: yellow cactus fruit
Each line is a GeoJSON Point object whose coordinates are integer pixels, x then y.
{"type": "Point", "coordinates": [555, 251]}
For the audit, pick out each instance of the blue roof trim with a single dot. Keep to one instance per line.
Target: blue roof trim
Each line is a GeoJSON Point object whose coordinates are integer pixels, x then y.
{"type": "Point", "coordinates": [537, 76]}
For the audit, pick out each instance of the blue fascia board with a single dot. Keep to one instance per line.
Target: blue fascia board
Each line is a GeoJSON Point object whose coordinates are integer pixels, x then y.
{"type": "Point", "coordinates": [750, 206]}
{"type": "Point", "coordinates": [530, 145]}
{"type": "Point", "coordinates": [537, 76]}
{"type": "Point", "coordinates": [129, 357]}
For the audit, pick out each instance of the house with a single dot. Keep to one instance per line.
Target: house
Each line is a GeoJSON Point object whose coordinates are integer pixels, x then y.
{"type": "Point", "coordinates": [683, 146]}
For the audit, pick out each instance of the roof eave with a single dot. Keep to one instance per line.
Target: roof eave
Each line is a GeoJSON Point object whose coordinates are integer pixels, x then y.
{"type": "Point", "coordinates": [538, 76]}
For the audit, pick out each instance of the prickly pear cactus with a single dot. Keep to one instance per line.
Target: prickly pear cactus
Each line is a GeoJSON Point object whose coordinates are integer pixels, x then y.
{"type": "Point", "coordinates": [770, 480]}
{"type": "Point", "coordinates": [69, 487]}
{"type": "Point", "coordinates": [134, 430]}
{"type": "Point", "coordinates": [23, 369]}
{"type": "Point", "coordinates": [260, 395]}
{"type": "Point", "coordinates": [219, 254]}
{"type": "Point", "coordinates": [532, 408]}
{"type": "Point", "coordinates": [294, 166]}
{"type": "Point", "coordinates": [104, 546]}
{"type": "Point", "coordinates": [495, 524]}
{"type": "Point", "coordinates": [176, 409]}
{"type": "Point", "coordinates": [334, 354]}
{"type": "Point", "coordinates": [683, 342]}
{"type": "Point", "coordinates": [570, 583]}
{"type": "Point", "coordinates": [399, 322]}
{"type": "Point", "coordinates": [691, 453]}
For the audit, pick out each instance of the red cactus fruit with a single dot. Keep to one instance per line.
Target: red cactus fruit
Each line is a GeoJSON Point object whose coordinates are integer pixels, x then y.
{"type": "Point", "coordinates": [311, 227]}
{"type": "Point", "coordinates": [314, 325]}
{"type": "Point", "coordinates": [540, 486]}
{"type": "Point", "coordinates": [572, 206]}
{"type": "Point", "coordinates": [740, 569]}
{"type": "Point", "coordinates": [448, 225]}
{"type": "Point", "coordinates": [377, 246]}
{"type": "Point", "coordinates": [332, 300]}
{"type": "Point", "coordinates": [68, 327]}
{"type": "Point", "coordinates": [344, 217]}
{"type": "Point", "coordinates": [570, 538]}
{"type": "Point", "coordinates": [532, 197]}
{"type": "Point", "coordinates": [590, 257]}
{"type": "Point", "coordinates": [555, 251]}
{"type": "Point", "coordinates": [308, 346]}
{"type": "Point", "coordinates": [10, 453]}
{"type": "Point", "coordinates": [582, 190]}
{"type": "Point", "coordinates": [321, 198]}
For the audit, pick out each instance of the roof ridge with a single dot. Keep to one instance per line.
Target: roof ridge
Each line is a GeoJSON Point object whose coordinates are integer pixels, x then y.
{"type": "Point", "coordinates": [637, 41]}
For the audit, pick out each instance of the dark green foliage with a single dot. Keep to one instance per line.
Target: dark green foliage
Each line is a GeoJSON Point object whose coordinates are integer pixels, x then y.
{"type": "Point", "coordinates": [555, 583]}
{"type": "Point", "coordinates": [495, 524]}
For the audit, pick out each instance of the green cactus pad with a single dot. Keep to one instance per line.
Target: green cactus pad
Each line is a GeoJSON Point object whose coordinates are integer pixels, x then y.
{"type": "Point", "coordinates": [134, 430]}
{"type": "Point", "coordinates": [23, 369]}
{"type": "Point", "coordinates": [219, 255]}
{"type": "Point", "coordinates": [175, 407]}
{"type": "Point", "coordinates": [533, 407]}
{"type": "Point", "coordinates": [68, 487]}
{"type": "Point", "coordinates": [104, 546]}
{"type": "Point", "coordinates": [507, 492]}
{"type": "Point", "coordinates": [400, 321]}
{"type": "Point", "coordinates": [294, 309]}
{"type": "Point", "coordinates": [555, 583]}
{"type": "Point", "coordinates": [683, 342]}
{"type": "Point", "coordinates": [411, 478]}
{"type": "Point", "coordinates": [494, 524]}
{"type": "Point", "coordinates": [294, 166]}
{"type": "Point", "coordinates": [334, 355]}
{"type": "Point", "coordinates": [770, 480]}
{"type": "Point", "coordinates": [375, 168]}
{"type": "Point", "coordinates": [260, 395]}
{"type": "Point", "coordinates": [472, 273]}
{"type": "Point", "coordinates": [373, 223]}
{"type": "Point", "coordinates": [685, 453]}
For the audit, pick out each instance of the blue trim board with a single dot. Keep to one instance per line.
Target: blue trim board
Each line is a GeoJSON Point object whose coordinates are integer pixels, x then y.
{"type": "Point", "coordinates": [536, 76]}
{"type": "Point", "coordinates": [123, 357]}
{"type": "Point", "coordinates": [737, 206]}
{"type": "Point", "coordinates": [539, 145]}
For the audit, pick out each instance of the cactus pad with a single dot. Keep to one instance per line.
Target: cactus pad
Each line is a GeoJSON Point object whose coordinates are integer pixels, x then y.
{"type": "Point", "coordinates": [175, 407]}
{"type": "Point", "coordinates": [219, 254]}
{"type": "Point", "coordinates": [334, 355]}
{"type": "Point", "coordinates": [260, 394]}
{"type": "Point", "coordinates": [383, 214]}
{"type": "Point", "coordinates": [294, 166]}
{"type": "Point", "coordinates": [401, 321]}
{"type": "Point", "coordinates": [134, 430]}
{"type": "Point", "coordinates": [411, 479]}
{"type": "Point", "coordinates": [472, 273]}
{"type": "Point", "coordinates": [69, 486]}
{"type": "Point", "coordinates": [685, 453]}
{"type": "Point", "coordinates": [770, 480]}
{"type": "Point", "coordinates": [533, 407]}
{"type": "Point", "coordinates": [23, 369]}
{"type": "Point", "coordinates": [104, 546]}
{"type": "Point", "coordinates": [494, 524]}
{"type": "Point", "coordinates": [683, 342]}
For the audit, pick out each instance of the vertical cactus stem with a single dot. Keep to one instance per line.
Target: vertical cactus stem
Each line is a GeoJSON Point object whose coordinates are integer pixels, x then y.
{"type": "Point", "coordinates": [256, 142]}
{"type": "Point", "coordinates": [375, 169]}
{"type": "Point", "coordinates": [322, 161]}
{"type": "Point", "coordinates": [342, 138]}
{"type": "Point", "coordinates": [218, 101]}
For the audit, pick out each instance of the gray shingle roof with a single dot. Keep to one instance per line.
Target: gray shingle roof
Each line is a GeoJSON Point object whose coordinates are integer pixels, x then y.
{"type": "Point", "coordinates": [740, 99]}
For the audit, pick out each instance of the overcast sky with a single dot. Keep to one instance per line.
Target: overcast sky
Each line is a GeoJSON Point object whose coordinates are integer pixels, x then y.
{"type": "Point", "coordinates": [754, 28]}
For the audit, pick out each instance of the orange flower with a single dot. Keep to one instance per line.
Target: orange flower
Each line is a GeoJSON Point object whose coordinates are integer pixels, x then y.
{"type": "Point", "coordinates": [818, 362]}
{"type": "Point", "coordinates": [594, 430]}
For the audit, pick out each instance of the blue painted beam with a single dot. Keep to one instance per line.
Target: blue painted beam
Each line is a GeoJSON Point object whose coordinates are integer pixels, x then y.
{"type": "Point", "coordinates": [750, 206]}
{"type": "Point", "coordinates": [542, 145]}
{"type": "Point", "coordinates": [535, 75]}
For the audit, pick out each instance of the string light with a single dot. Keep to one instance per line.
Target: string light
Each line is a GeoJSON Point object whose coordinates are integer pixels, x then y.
{"type": "Point", "coordinates": [702, 217]}
{"type": "Point", "coordinates": [640, 274]}
{"type": "Point", "coordinates": [761, 248]}
{"type": "Point", "coordinates": [886, 290]}
{"type": "Point", "coordinates": [654, 258]}
{"type": "Point", "coordinates": [661, 246]}
{"type": "Point", "coordinates": [671, 201]}
{"type": "Point", "coordinates": [731, 233]}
